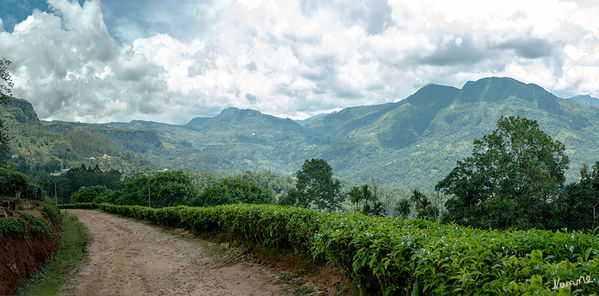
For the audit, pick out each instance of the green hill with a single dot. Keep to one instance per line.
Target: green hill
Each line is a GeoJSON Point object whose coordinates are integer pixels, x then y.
{"type": "Point", "coordinates": [416, 153]}
{"type": "Point", "coordinates": [234, 141]}
{"type": "Point", "coordinates": [38, 150]}
{"type": "Point", "coordinates": [586, 99]}
{"type": "Point", "coordinates": [412, 143]}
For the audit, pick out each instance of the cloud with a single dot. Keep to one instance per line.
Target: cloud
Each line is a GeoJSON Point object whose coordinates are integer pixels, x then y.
{"type": "Point", "coordinates": [174, 60]}
{"type": "Point", "coordinates": [530, 48]}
{"type": "Point", "coordinates": [70, 68]}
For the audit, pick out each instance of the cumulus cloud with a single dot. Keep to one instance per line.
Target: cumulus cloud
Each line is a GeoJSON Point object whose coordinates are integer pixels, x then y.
{"type": "Point", "coordinates": [70, 68]}
{"type": "Point", "coordinates": [293, 59]}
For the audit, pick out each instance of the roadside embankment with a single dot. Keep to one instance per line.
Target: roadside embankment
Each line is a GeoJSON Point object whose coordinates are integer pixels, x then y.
{"type": "Point", "coordinates": [29, 235]}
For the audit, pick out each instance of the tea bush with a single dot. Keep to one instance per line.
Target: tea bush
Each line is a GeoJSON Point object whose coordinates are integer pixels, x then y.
{"type": "Point", "coordinates": [401, 257]}
{"type": "Point", "coordinates": [51, 212]}
{"type": "Point", "coordinates": [19, 225]}
{"type": "Point", "coordinates": [82, 205]}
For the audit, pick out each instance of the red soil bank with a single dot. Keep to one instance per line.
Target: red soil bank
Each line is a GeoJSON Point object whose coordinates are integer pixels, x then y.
{"type": "Point", "coordinates": [22, 254]}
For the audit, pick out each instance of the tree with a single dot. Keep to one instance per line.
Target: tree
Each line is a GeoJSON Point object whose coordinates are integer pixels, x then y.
{"type": "Point", "coordinates": [315, 187]}
{"type": "Point", "coordinates": [170, 189]}
{"type": "Point", "coordinates": [403, 208]}
{"type": "Point", "coordinates": [417, 198]}
{"type": "Point", "coordinates": [135, 191]}
{"type": "Point", "coordinates": [5, 91]}
{"type": "Point", "coordinates": [17, 185]}
{"type": "Point", "coordinates": [165, 189]}
{"type": "Point", "coordinates": [90, 194]}
{"type": "Point", "coordinates": [369, 201]}
{"type": "Point", "coordinates": [512, 176]}
{"type": "Point", "coordinates": [234, 190]}
{"type": "Point", "coordinates": [355, 196]}
{"type": "Point", "coordinates": [578, 209]}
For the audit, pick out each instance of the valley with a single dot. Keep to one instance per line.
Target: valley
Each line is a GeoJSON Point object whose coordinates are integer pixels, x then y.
{"type": "Point", "coordinates": [409, 144]}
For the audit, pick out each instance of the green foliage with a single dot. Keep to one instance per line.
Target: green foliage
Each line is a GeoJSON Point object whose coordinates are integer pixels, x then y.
{"type": "Point", "coordinates": [15, 184]}
{"type": "Point", "coordinates": [365, 201]}
{"type": "Point", "coordinates": [424, 208]}
{"type": "Point", "coordinates": [234, 190]}
{"type": "Point", "coordinates": [51, 212]}
{"type": "Point", "coordinates": [401, 257]}
{"type": "Point", "coordinates": [403, 208]}
{"type": "Point", "coordinates": [3, 143]}
{"type": "Point", "coordinates": [165, 189]}
{"type": "Point", "coordinates": [509, 180]}
{"type": "Point", "coordinates": [10, 224]}
{"type": "Point", "coordinates": [578, 207]}
{"type": "Point", "coordinates": [90, 194]}
{"type": "Point", "coordinates": [53, 275]}
{"type": "Point", "coordinates": [89, 206]}
{"type": "Point", "coordinates": [415, 256]}
{"type": "Point", "coordinates": [40, 225]}
{"type": "Point", "coordinates": [272, 225]}
{"type": "Point", "coordinates": [278, 184]}
{"type": "Point", "coordinates": [19, 225]}
{"type": "Point", "coordinates": [5, 92]}
{"type": "Point", "coordinates": [76, 178]}
{"type": "Point", "coordinates": [171, 189]}
{"type": "Point", "coordinates": [135, 191]}
{"type": "Point", "coordinates": [42, 151]}
{"type": "Point", "coordinates": [315, 187]}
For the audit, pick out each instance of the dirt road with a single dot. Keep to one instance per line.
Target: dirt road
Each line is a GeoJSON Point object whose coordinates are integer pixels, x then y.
{"type": "Point", "coordinates": [130, 258]}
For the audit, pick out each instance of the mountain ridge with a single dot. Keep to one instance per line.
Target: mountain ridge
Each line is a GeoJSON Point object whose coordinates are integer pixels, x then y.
{"type": "Point", "coordinates": [586, 99]}
{"type": "Point", "coordinates": [411, 143]}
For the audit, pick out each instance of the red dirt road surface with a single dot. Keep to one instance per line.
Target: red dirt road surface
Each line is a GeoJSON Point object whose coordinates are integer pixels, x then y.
{"type": "Point", "coordinates": [130, 258]}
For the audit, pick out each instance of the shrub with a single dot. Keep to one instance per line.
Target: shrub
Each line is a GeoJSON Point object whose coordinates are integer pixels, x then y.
{"type": "Point", "coordinates": [90, 194]}
{"type": "Point", "coordinates": [399, 257]}
{"type": "Point", "coordinates": [40, 225]}
{"type": "Point", "coordinates": [19, 225]}
{"type": "Point", "coordinates": [234, 190]}
{"type": "Point", "coordinates": [51, 212]}
{"type": "Point", "coordinates": [15, 184]}
{"type": "Point", "coordinates": [88, 205]}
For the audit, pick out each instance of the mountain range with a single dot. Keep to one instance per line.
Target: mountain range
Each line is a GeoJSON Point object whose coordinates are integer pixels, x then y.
{"type": "Point", "coordinates": [412, 143]}
{"type": "Point", "coordinates": [586, 99]}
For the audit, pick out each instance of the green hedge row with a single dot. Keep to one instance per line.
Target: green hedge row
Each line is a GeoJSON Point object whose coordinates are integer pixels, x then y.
{"type": "Point", "coordinates": [86, 205]}
{"type": "Point", "coordinates": [401, 257]}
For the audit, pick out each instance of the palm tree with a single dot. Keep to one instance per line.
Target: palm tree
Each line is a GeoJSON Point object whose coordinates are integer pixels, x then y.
{"type": "Point", "coordinates": [417, 198]}
{"type": "Point", "coordinates": [403, 209]}
{"type": "Point", "coordinates": [355, 195]}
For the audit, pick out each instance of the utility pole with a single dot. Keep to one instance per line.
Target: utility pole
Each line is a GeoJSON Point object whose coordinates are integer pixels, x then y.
{"type": "Point", "coordinates": [55, 193]}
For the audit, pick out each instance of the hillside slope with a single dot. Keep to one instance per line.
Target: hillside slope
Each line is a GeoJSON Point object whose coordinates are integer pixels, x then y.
{"type": "Point", "coordinates": [419, 157]}
{"type": "Point", "coordinates": [233, 141]}
{"type": "Point", "coordinates": [412, 143]}
{"type": "Point", "coordinates": [38, 150]}
{"type": "Point", "coordinates": [586, 99]}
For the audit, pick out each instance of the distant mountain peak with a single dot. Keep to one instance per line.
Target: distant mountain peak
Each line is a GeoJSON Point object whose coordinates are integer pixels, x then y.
{"type": "Point", "coordinates": [586, 99]}
{"type": "Point", "coordinates": [495, 89]}
{"type": "Point", "coordinates": [243, 118]}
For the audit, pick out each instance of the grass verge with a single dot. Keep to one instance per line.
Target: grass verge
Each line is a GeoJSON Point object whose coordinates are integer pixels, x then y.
{"type": "Point", "coordinates": [54, 274]}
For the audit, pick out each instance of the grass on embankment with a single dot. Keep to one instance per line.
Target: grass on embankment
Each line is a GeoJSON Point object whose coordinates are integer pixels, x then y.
{"type": "Point", "coordinates": [54, 274]}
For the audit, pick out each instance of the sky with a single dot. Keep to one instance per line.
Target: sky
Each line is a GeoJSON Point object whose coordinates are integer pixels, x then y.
{"type": "Point", "coordinates": [173, 60]}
